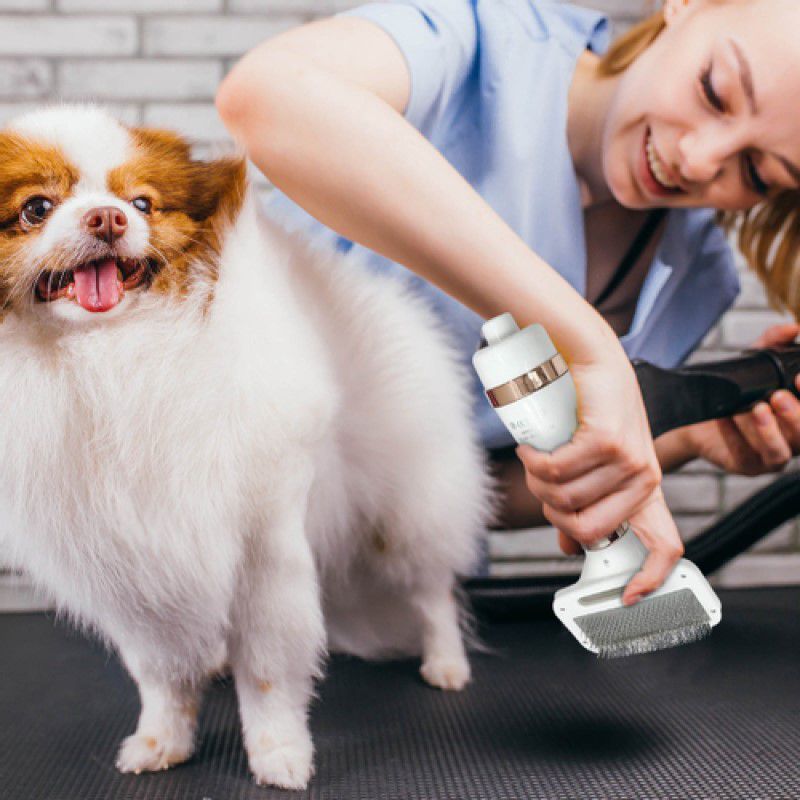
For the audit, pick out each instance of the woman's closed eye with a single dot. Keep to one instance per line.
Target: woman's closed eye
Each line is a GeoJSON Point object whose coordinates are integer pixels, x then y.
{"type": "Point", "coordinates": [751, 176]}
{"type": "Point", "coordinates": [753, 179]}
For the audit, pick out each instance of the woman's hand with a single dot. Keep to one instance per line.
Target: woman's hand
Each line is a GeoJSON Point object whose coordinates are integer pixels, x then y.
{"type": "Point", "coordinates": [761, 440]}
{"type": "Point", "coordinates": [608, 473]}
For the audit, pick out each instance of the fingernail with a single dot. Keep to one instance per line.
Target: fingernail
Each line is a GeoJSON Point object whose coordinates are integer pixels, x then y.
{"type": "Point", "coordinates": [783, 400]}
{"type": "Point", "coordinates": [633, 599]}
{"type": "Point", "coordinates": [761, 412]}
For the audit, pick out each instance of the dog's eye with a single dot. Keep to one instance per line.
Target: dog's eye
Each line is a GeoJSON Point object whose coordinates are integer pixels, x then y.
{"type": "Point", "coordinates": [143, 204]}
{"type": "Point", "coordinates": [35, 211]}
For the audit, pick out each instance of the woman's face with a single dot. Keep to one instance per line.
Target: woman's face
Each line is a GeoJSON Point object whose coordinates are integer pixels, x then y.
{"type": "Point", "coordinates": [709, 114]}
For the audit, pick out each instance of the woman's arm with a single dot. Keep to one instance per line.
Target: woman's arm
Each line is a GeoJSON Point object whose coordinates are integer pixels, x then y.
{"type": "Point", "coordinates": [319, 110]}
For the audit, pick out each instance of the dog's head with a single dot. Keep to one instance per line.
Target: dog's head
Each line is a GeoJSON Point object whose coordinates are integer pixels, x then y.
{"type": "Point", "coordinates": [93, 214]}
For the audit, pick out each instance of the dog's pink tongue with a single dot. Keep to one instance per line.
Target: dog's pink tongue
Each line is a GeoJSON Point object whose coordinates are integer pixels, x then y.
{"type": "Point", "coordinates": [96, 287]}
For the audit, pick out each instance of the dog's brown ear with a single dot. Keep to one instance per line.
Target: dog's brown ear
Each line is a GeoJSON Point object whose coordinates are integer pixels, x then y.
{"type": "Point", "coordinates": [203, 189]}
{"type": "Point", "coordinates": [218, 189]}
{"type": "Point", "coordinates": [10, 144]}
{"type": "Point", "coordinates": [207, 193]}
{"type": "Point", "coordinates": [162, 145]}
{"type": "Point", "coordinates": [161, 159]}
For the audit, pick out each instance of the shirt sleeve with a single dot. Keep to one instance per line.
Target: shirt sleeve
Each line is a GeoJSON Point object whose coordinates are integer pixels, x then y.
{"type": "Point", "coordinates": [438, 39]}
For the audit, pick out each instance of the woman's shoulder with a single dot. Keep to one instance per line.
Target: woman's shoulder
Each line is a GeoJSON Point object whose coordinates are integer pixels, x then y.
{"type": "Point", "coordinates": [543, 21]}
{"type": "Point", "coordinates": [531, 20]}
{"type": "Point", "coordinates": [574, 27]}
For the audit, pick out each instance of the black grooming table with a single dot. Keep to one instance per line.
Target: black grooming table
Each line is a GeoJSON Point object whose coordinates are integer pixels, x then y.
{"type": "Point", "coordinates": [543, 719]}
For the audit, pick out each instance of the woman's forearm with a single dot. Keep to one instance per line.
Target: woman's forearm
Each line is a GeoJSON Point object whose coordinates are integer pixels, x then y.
{"type": "Point", "coordinates": [356, 164]}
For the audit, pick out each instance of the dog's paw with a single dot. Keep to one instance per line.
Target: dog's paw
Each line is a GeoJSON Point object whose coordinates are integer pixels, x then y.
{"type": "Point", "coordinates": [446, 672]}
{"type": "Point", "coordinates": [142, 753]}
{"type": "Point", "coordinates": [286, 764]}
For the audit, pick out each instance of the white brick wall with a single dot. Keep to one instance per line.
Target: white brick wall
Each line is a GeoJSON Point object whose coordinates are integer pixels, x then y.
{"type": "Point", "coordinates": [159, 62]}
{"type": "Point", "coordinates": [48, 35]}
{"type": "Point", "coordinates": [28, 6]}
{"type": "Point", "coordinates": [138, 6]}
{"type": "Point", "coordinates": [25, 77]}
{"type": "Point", "coordinates": [139, 79]}
{"type": "Point", "coordinates": [211, 35]}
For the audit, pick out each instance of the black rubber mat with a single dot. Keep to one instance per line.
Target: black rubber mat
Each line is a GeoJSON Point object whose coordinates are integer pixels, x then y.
{"type": "Point", "coordinates": [543, 719]}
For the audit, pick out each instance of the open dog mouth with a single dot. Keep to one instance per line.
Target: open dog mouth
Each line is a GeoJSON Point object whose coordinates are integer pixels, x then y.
{"type": "Point", "coordinates": [95, 285]}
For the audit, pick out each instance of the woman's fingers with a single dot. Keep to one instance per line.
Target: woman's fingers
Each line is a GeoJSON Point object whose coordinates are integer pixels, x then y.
{"type": "Point", "coordinates": [589, 525]}
{"type": "Point", "coordinates": [777, 335]}
{"type": "Point", "coordinates": [578, 493]}
{"type": "Point", "coordinates": [786, 408]}
{"type": "Point", "coordinates": [741, 457]}
{"type": "Point", "coordinates": [762, 432]}
{"type": "Point", "coordinates": [653, 524]}
{"type": "Point", "coordinates": [565, 464]}
{"type": "Point", "coordinates": [584, 455]}
{"type": "Point", "coordinates": [568, 545]}
{"type": "Point", "coordinates": [773, 429]}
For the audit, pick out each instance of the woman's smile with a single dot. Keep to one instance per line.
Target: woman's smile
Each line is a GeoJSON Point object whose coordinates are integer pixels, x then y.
{"type": "Point", "coordinates": [654, 175]}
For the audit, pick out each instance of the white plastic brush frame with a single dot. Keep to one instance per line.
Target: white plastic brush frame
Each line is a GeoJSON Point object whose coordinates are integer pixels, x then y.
{"type": "Point", "coordinates": [604, 577]}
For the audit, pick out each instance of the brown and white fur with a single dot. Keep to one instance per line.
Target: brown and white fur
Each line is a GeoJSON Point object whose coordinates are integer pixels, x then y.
{"type": "Point", "coordinates": [237, 448]}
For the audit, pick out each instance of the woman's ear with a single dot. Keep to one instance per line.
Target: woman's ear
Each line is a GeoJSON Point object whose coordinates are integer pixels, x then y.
{"type": "Point", "coordinates": [675, 9]}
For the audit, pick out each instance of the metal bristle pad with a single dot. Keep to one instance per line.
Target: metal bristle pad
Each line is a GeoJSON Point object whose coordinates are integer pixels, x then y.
{"type": "Point", "coordinates": [654, 623]}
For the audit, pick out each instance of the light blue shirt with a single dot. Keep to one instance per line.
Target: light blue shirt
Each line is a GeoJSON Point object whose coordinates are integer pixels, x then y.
{"type": "Point", "coordinates": [489, 83]}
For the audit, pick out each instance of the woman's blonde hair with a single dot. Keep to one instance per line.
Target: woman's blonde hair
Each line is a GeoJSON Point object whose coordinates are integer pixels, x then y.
{"type": "Point", "coordinates": [768, 233]}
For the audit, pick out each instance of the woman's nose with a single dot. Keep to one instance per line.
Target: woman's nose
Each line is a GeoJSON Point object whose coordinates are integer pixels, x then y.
{"type": "Point", "coordinates": [701, 156]}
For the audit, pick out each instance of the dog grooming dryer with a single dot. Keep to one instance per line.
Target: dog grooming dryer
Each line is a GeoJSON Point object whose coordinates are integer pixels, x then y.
{"type": "Point", "coordinates": [528, 384]}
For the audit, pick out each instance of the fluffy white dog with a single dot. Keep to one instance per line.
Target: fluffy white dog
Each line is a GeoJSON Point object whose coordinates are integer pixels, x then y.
{"type": "Point", "coordinates": [218, 444]}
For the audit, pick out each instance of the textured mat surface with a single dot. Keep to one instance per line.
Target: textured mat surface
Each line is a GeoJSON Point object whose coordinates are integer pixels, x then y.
{"type": "Point", "coordinates": [543, 719]}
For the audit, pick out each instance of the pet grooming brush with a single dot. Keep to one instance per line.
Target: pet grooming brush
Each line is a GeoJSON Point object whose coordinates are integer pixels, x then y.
{"type": "Point", "coordinates": [528, 384]}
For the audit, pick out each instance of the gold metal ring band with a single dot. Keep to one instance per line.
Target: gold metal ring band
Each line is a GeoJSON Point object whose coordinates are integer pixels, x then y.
{"type": "Point", "coordinates": [528, 383]}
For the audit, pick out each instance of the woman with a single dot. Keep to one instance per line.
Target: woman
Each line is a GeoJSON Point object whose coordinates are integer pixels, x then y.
{"type": "Point", "coordinates": [538, 164]}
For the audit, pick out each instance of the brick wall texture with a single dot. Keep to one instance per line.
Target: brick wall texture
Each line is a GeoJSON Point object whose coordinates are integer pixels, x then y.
{"type": "Point", "coordinates": [159, 62]}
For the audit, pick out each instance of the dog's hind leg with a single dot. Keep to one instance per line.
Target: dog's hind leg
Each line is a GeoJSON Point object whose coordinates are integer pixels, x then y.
{"type": "Point", "coordinates": [444, 660]}
{"type": "Point", "coordinates": [277, 637]}
{"type": "Point", "coordinates": [431, 530]}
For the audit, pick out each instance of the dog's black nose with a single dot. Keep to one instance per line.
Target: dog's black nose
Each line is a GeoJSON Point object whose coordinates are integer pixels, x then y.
{"type": "Point", "coordinates": [106, 222]}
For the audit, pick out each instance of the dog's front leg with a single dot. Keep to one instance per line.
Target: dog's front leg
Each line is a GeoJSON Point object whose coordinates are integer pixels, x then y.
{"type": "Point", "coordinates": [278, 639]}
{"type": "Point", "coordinates": [168, 720]}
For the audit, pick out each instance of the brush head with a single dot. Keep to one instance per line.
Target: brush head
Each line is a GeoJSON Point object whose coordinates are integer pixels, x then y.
{"type": "Point", "coordinates": [682, 610]}
{"type": "Point", "coordinates": [654, 623]}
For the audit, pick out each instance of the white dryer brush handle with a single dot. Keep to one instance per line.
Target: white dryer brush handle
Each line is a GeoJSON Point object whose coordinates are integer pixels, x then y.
{"type": "Point", "coordinates": [528, 383]}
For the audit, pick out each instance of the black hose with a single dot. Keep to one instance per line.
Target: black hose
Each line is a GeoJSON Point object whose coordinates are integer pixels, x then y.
{"type": "Point", "coordinates": [677, 397]}
{"type": "Point", "coordinates": [746, 524]}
